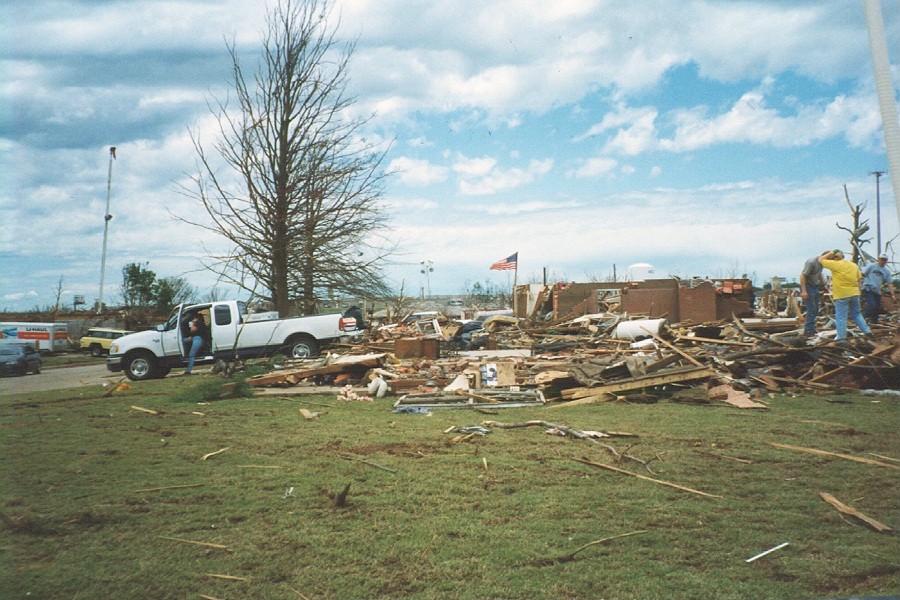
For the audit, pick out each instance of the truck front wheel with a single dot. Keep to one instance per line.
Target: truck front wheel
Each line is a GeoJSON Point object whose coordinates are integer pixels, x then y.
{"type": "Point", "coordinates": [140, 366]}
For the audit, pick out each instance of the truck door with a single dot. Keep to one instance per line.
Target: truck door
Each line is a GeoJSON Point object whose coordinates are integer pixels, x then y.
{"type": "Point", "coordinates": [223, 327]}
{"type": "Point", "coordinates": [170, 336]}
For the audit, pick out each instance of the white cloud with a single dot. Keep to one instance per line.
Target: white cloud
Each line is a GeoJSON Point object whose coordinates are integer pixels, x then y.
{"type": "Point", "coordinates": [474, 167]}
{"type": "Point", "coordinates": [594, 167]}
{"type": "Point", "coordinates": [417, 172]}
{"type": "Point", "coordinates": [481, 183]}
{"type": "Point", "coordinates": [750, 119]}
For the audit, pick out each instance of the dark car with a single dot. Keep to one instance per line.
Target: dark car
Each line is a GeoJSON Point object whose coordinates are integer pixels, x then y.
{"type": "Point", "coordinates": [19, 359]}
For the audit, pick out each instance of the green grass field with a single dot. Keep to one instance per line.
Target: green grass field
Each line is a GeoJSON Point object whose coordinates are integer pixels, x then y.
{"type": "Point", "coordinates": [106, 501]}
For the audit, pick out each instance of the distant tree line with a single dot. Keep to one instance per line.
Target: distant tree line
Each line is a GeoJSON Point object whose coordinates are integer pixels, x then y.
{"type": "Point", "coordinates": [142, 289]}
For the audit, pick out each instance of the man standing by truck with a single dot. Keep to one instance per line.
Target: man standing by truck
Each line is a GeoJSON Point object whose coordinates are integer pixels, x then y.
{"type": "Point", "coordinates": [198, 333]}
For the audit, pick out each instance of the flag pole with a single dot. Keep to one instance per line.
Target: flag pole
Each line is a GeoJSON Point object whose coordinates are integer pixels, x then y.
{"type": "Point", "coordinates": [515, 277]}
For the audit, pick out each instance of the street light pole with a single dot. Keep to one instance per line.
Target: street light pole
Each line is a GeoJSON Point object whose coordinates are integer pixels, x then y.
{"type": "Point", "coordinates": [106, 219]}
{"type": "Point", "coordinates": [878, 175]}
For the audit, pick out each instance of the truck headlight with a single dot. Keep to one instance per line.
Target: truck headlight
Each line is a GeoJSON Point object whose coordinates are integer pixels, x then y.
{"type": "Point", "coordinates": [114, 349]}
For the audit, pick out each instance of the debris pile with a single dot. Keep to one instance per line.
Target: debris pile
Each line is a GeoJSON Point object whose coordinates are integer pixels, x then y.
{"type": "Point", "coordinates": [614, 354]}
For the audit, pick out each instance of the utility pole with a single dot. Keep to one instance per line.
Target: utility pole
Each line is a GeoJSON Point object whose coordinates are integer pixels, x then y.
{"type": "Point", "coordinates": [878, 175]}
{"type": "Point", "coordinates": [106, 219]}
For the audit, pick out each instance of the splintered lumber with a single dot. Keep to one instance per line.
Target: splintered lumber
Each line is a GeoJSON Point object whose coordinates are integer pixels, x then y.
{"type": "Point", "coordinates": [336, 365]}
{"type": "Point", "coordinates": [645, 478]}
{"type": "Point", "coordinates": [204, 544]}
{"type": "Point", "coordinates": [849, 510]}
{"type": "Point", "coordinates": [113, 387]}
{"type": "Point", "coordinates": [591, 395]}
{"type": "Point", "coordinates": [859, 459]}
{"type": "Point", "coordinates": [862, 360]}
{"type": "Point", "coordinates": [169, 487]}
{"type": "Point", "coordinates": [228, 577]}
{"type": "Point", "coordinates": [743, 329]}
{"type": "Point", "coordinates": [146, 410]}
{"type": "Point", "coordinates": [571, 555]}
{"type": "Point", "coordinates": [703, 340]}
{"type": "Point", "coordinates": [568, 430]}
{"type": "Point", "coordinates": [674, 348]}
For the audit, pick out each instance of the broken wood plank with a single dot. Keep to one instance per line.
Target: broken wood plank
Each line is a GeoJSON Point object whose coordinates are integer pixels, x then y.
{"type": "Point", "coordinates": [228, 577]}
{"type": "Point", "coordinates": [645, 478]}
{"type": "Point", "coordinates": [859, 459]}
{"type": "Point", "coordinates": [146, 410]}
{"type": "Point", "coordinates": [204, 544]}
{"type": "Point", "coordinates": [703, 340]}
{"type": "Point", "coordinates": [849, 510]}
{"type": "Point", "coordinates": [727, 394]}
{"type": "Point", "coordinates": [879, 351]}
{"type": "Point", "coordinates": [113, 387]}
{"type": "Point", "coordinates": [740, 325]}
{"type": "Point", "coordinates": [169, 487]}
{"type": "Point", "coordinates": [571, 555]}
{"type": "Point", "coordinates": [674, 348]}
{"type": "Point", "coordinates": [645, 381]}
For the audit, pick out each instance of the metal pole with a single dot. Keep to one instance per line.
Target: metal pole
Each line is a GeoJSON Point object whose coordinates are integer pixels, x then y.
{"type": "Point", "coordinates": [106, 219]}
{"type": "Point", "coordinates": [878, 175]}
{"type": "Point", "coordinates": [427, 269]}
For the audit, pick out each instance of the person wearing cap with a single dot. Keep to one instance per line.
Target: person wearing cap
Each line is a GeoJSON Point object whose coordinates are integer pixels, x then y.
{"type": "Point", "coordinates": [875, 276]}
{"type": "Point", "coordinates": [811, 283]}
{"type": "Point", "coordinates": [845, 291]}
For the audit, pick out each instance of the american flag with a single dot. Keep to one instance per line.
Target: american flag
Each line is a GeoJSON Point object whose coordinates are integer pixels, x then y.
{"type": "Point", "coordinates": [507, 264]}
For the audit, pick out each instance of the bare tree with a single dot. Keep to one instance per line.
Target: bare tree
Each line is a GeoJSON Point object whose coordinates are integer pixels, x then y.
{"type": "Point", "coordinates": [305, 216]}
{"type": "Point", "coordinates": [860, 228]}
{"type": "Point", "coordinates": [59, 289]}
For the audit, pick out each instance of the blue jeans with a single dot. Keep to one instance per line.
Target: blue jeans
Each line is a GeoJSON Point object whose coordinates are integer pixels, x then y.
{"type": "Point", "coordinates": [812, 308]}
{"type": "Point", "coordinates": [873, 305]}
{"type": "Point", "coordinates": [848, 307]}
{"type": "Point", "coordinates": [196, 344]}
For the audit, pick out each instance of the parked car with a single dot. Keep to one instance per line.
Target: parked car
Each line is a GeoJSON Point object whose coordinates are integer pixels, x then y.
{"type": "Point", "coordinates": [19, 359]}
{"type": "Point", "coordinates": [97, 340]}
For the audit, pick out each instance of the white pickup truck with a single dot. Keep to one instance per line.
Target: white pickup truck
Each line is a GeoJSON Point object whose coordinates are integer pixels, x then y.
{"type": "Point", "coordinates": [232, 332]}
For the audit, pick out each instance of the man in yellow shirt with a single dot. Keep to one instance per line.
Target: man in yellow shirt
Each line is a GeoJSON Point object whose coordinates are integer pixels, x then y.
{"type": "Point", "coordinates": [845, 291]}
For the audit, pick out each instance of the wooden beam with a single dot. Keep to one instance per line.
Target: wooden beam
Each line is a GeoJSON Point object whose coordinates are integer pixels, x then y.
{"type": "Point", "coordinates": [859, 459]}
{"type": "Point", "coordinates": [674, 348]}
{"type": "Point", "coordinates": [673, 376]}
{"type": "Point", "coordinates": [645, 478]}
{"type": "Point", "coordinates": [879, 351]}
{"type": "Point", "coordinates": [849, 510]}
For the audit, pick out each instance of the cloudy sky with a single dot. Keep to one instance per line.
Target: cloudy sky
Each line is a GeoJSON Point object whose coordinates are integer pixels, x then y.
{"type": "Point", "coordinates": [706, 138]}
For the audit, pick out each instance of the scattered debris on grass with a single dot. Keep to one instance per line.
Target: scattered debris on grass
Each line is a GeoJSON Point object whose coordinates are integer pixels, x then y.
{"type": "Point", "coordinates": [196, 543]}
{"type": "Point", "coordinates": [769, 551]}
{"type": "Point", "coordinates": [645, 478]}
{"type": "Point", "coordinates": [859, 459]}
{"type": "Point", "coordinates": [543, 562]}
{"type": "Point", "coordinates": [849, 510]}
{"type": "Point", "coordinates": [217, 452]}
